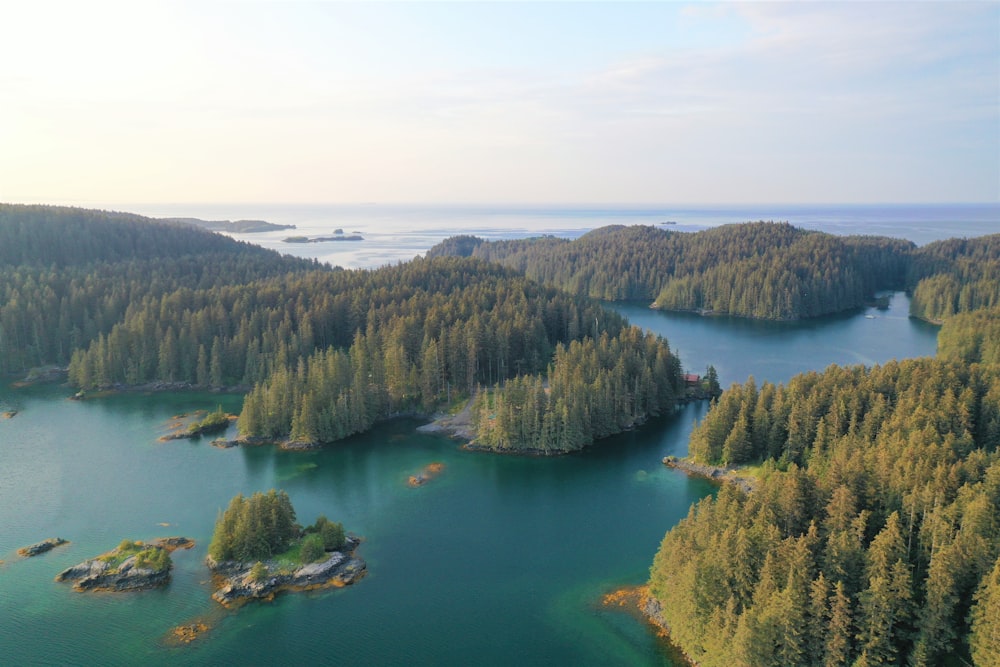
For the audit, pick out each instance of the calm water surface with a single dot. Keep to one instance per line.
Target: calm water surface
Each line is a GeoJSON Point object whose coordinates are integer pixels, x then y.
{"type": "Point", "coordinates": [500, 560]}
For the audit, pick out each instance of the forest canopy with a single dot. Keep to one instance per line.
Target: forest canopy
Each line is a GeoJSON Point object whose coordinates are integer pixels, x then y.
{"type": "Point", "coordinates": [871, 535]}
{"type": "Point", "coordinates": [323, 353]}
{"type": "Point", "coordinates": [761, 270]}
{"type": "Point", "coordinates": [263, 526]}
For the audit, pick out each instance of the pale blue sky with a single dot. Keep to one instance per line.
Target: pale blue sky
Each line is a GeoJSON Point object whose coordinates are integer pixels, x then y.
{"type": "Point", "coordinates": [562, 102]}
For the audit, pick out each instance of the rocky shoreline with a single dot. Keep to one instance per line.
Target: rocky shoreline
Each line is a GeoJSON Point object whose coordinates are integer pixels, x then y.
{"type": "Point", "coordinates": [717, 473]}
{"type": "Point", "coordinates": [237, 583]}
{"type": "Point", "coordinates": [120, 571]}
{"type": "Point", "coordinates": [41, 547]}
{"type": "Point", "coordinates": [186, 426]}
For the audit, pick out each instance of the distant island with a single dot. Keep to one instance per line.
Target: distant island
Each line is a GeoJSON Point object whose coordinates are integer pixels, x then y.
{"type": "Point", "coordinates": [233, 227]}
{"type": "Point", "coordinates": [338, 235]}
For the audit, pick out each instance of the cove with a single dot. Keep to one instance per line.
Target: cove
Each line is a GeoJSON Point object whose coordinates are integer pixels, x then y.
{"type": "Point", "coordinates": [497, 560]}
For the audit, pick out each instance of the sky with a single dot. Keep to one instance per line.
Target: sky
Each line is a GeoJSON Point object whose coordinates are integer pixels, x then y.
{"type": "Point", "coordinates": [499, 102]}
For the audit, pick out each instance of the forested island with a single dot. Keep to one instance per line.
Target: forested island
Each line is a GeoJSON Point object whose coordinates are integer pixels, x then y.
{"type": "Point", "coordinates": [762, 270]}
{"type": "Point", "coordinates": [231, 226]}
{"type": "Point", "coordinates": [258, 550]}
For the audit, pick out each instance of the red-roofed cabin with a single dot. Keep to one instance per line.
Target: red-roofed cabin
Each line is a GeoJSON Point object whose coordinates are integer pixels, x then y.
{"type": "Point", "coordinates": [692, 380]}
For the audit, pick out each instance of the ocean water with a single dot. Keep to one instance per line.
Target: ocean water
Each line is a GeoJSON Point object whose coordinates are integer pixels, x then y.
{"type": "Point", "coordinates": [399, 233]}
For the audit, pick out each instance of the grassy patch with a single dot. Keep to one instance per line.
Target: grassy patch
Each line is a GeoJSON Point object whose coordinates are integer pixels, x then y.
{"type": "Point", "coordinates": [154, 558]}
{"type": "Point", "coordinates": [290, 560]}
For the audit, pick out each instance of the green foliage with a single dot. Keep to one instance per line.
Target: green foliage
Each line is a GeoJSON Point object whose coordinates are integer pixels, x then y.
{"type": "Point", "coordinates": [258, 572]}
{"type": "Point", "coordinates": [68, 276]}
{"type": "Point", "coordinates": [971, 338]}
{"type": "Point", "coordinates": [985, 636]}
{"type": "Point", "coordinates": [332, 533]}
{"type": "Point", "coordinates": [955, 276]}
{"type": "Point", "coordinates": [254, 528]}
{"type": "Point", "coordinates": [213, 421]}
{"type": "Point", "coordinates": [427, 333]}
{"type": "Point", "coordinates": [593, 389]}
{"type": "Point", "coordinates": [759, 270]}
{"type": "Point", "coordinates": [129, 546]}
{"type": "Point", "coordinates": [456, 246]}
{"type": "Point", "coordinates": [871, 528]}
{"type": "Point", "coordinates": [312, 549]}
{"type": "Point", "coordinates": [153, 558]}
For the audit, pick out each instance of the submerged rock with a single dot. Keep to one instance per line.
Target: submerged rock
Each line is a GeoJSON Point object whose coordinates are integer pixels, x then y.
{"type": "Point", "coordinates": [430, 471]}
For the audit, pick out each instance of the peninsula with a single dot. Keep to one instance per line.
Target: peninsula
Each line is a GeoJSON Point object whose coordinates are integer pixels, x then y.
{"type": "Point", "coordinates": [232, 227]}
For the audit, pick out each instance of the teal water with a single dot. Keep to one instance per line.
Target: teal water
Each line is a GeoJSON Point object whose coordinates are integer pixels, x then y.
{"type": "Point", "coordinates": [499, 560]}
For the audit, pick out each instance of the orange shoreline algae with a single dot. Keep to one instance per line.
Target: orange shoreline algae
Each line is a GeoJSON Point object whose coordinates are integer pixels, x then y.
{"type": "Point", "coordinates": [430, 471]}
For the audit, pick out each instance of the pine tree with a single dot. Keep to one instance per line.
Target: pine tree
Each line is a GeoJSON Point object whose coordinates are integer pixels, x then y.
{"type": "Point", "coordinates": [984, 639]}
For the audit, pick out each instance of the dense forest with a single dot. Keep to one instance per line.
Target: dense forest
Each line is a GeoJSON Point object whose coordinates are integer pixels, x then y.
{"type": "Point", "coordinates": [872, 535]}
{"type": "Point", "coordinates": [324, 353]}
{"type": "Point", "coordinates": [760, 270]}
{"type": "Point", "coordinates": [592, 389]}
{"type": "Point", "coordinates": [68, 275]}
{"type": "Point", "coordinates": [431, 333]}
{"type": "Point", "coordinates": [971, 338]}
{"type": "Point", "coordinates": [263, 526]}
{"type": "Point", "coordinates": [955, 276]}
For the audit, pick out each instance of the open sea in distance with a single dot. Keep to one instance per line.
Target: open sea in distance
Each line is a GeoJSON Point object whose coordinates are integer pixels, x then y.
{"type": "Point", "coordinates": [400, 232]}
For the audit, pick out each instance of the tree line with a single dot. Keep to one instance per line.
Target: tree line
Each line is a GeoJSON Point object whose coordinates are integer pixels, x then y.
{"type": "Point", "coordinates": [68, 276]}
{"type": "Point", "coordinates": [263, 525]}
{"type": "Point", "coordinates": [323, 353]}
{"type": "Point", "coordinates": [593, 388]}
{"type": "Point", "coordinates": [428, 340]}
{"type": "Point", "coordinates": [761, 270]}
{"type": "Point", "coordinates": [872, 535]}
{"type": "Point", "coordinates": [955, 276]}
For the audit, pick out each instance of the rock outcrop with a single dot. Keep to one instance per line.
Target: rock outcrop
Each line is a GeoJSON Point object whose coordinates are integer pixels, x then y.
{"type": "Point", "coordinates": [99, 575]}
{"type": "Point", "coordinates": [41, 547]}
{"type": "Point", "coordinates": [238, 584]}
{"type": "Point", "coordinates": [139, 567]}
{"type": "Point", "coordinates": [717, 473]}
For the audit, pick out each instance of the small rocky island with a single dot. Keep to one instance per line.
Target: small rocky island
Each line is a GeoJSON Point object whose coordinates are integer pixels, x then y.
{"type": "Point", "coordinates": [338, 235]}
{"type": "Point", "coordinates": [258, 550]}
{"type": "Point", "coordinates": [240, 581]}
{"type": "Point", "coordinates": [41, 547]}
{"type": "Point", "coordinates": [200, 422]}
{"type": "Point", "coordinates": [131, 566]}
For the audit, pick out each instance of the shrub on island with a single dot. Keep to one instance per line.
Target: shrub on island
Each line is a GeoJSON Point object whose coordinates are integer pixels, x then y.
{"type": "Point", "coordinates": [213, 421]}
{"type": "Point", "coordinates": [258, 550]}
{"type": "Point", "coordinates": [262, 527]}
